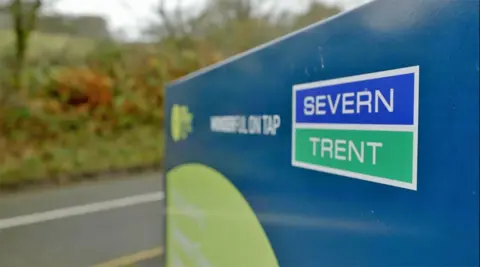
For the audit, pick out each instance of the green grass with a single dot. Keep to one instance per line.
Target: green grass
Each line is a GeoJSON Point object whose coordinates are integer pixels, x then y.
{"type": "Point", "coordinates": [49, 44]}
{"type": "Point", "coordinates": [79, 153]}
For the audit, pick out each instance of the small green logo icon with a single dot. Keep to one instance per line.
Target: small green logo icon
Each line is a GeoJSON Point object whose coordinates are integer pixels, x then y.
{"type": "Point", "coordinates": [181, 122]}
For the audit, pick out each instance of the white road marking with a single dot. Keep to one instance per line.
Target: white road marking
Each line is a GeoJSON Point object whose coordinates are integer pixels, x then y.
{"type": "Point", "coordinates": [80, 210]}
{"type": "Point", "coordinates": [130, 260]}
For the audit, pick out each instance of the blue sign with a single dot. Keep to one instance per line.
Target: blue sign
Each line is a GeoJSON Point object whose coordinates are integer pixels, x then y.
{"type": "Point", "coordinates": [353, 142]}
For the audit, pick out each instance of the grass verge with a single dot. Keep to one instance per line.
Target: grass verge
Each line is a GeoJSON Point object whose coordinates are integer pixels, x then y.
{"type": "Point", "coordinates": [76, 155]}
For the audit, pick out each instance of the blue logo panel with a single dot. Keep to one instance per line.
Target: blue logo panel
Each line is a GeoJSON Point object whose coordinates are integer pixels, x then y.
{"type": "Point", "coordinates": [363, 99]}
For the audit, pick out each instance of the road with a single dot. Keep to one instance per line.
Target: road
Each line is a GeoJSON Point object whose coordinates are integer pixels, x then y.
{"type": "Point", "coordinates": [104, 224]}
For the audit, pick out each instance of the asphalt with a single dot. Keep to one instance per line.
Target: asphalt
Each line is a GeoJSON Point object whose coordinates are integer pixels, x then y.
{"type": "Point", "coordinates": [86, 239]}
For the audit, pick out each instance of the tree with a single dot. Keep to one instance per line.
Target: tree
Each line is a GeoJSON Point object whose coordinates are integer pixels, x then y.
{"type": "Point", "coordinates": [233, 26]}
{"type": "Point", "coordinates": [24, 15]}
{"type": "Point", "coordinates": [315, 12]}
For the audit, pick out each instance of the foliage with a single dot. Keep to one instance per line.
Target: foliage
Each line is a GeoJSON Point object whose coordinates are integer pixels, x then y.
{"type": "Point", "coordinates": [96, 105]}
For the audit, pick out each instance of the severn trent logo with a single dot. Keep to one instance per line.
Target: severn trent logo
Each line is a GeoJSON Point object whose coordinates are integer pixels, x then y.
{"type": "Point", "coordinates": [363, 127]}
{"type": "Point", "coordinates": [181, 122]}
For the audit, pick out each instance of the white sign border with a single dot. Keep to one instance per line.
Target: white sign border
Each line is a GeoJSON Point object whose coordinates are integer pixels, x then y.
{"type": "Point", "coordinates": [375, 179]}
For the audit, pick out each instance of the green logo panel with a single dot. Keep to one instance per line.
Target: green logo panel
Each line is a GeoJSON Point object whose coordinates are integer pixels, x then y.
{"type": "Point", "coordinates": [380, 154]}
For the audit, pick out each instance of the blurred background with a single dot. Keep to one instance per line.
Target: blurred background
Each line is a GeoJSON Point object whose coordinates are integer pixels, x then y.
{"type": "Point", "coordinates": [82, 81]}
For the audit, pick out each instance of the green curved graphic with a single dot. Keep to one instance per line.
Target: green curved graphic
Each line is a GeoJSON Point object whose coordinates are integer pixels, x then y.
{"type": "Point", "coordinates": [210, 224]}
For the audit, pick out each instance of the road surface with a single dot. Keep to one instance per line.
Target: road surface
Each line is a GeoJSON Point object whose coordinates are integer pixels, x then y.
{"type": "Point", "coordinates": [104, 224]}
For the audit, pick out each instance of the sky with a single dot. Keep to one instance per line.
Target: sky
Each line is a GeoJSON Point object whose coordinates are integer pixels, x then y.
{"type": "Point", "coordinates": [130, 16]}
